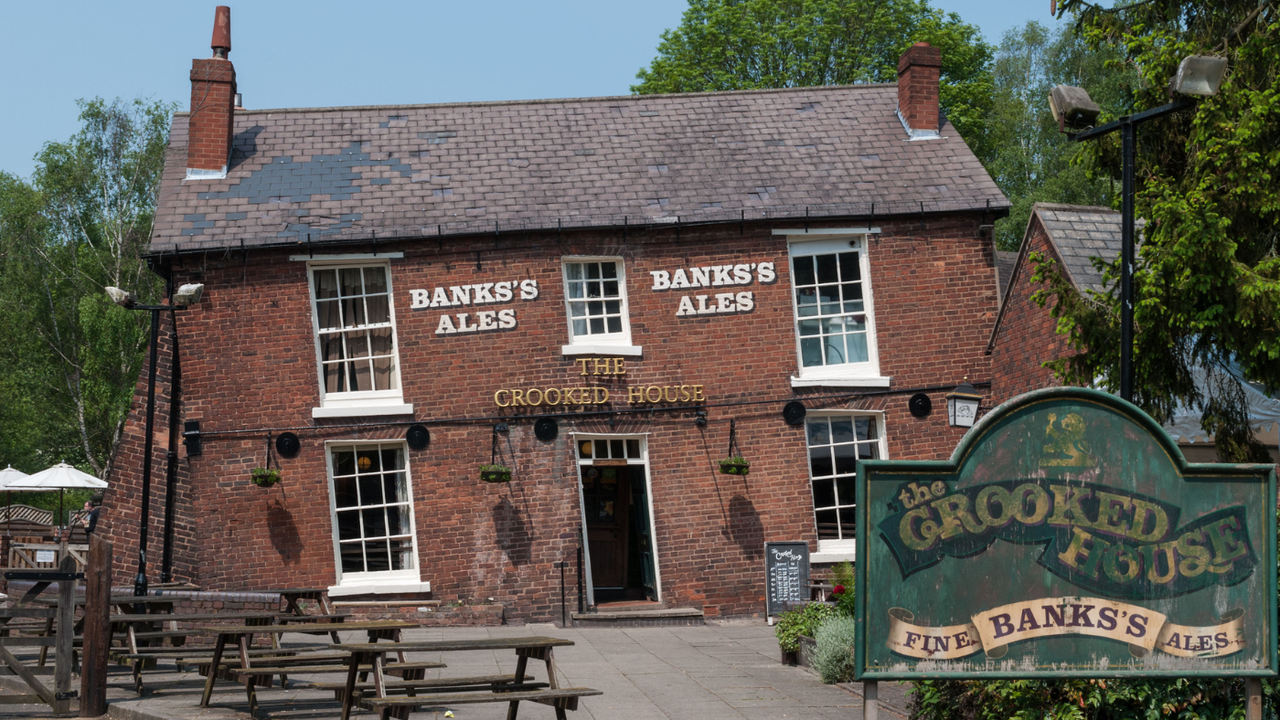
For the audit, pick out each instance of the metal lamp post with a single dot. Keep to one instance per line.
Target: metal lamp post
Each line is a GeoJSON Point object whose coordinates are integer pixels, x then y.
{"type": "Point", "coordinates": [1075, 111]}
{"type": "Point", "coordinates": [186, 295]}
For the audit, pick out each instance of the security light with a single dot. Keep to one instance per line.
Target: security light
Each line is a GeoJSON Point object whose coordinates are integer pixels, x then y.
{"type": "Point", "coordinates": [188, 294]}
{"type": "Point", "coordinates": [1199, 75]}
{"type": "Point", "coordinates": [1072, 108]}
{"type": "Point", "coordinates": [120, 297]}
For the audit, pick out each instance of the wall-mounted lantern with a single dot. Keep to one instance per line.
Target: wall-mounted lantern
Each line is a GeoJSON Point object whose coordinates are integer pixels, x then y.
{"type": "Point", "coordinates": [962, 406]}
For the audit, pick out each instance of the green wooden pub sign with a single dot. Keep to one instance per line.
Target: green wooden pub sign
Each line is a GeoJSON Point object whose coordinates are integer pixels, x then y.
{"type": "Point", "coordinates": [1066, 537]}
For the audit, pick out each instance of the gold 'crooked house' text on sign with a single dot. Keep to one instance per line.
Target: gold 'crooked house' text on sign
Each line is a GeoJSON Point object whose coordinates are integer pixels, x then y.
{"type": "Point", "coordinates": [581, 395]}
{"type": "Point", "coordinates": [1066, 537]}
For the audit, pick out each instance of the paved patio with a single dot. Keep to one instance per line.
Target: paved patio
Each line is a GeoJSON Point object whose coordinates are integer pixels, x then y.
{"type": "Point", "coordinates": [723, 671]}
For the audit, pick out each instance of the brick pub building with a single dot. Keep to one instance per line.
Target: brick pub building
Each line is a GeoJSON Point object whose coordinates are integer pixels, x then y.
{"type": "Point", "coordinates": [595, 293]}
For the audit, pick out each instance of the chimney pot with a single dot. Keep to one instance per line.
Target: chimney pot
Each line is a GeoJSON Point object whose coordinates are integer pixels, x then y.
{"type": "Point", "coordinates": [919, 71]}
{"type": "Point", "coordinates": [221, 43]}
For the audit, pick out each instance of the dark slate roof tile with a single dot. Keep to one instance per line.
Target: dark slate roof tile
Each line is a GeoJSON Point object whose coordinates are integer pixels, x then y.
{"type": "Point", "coordinates": [582, 162]}
{"type": "Point", "coordinates": [1080, 234]}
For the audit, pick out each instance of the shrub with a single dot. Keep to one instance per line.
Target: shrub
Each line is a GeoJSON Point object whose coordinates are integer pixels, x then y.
{"type": "Point", "coordinates": [833, 651]}
{"type": "Point", "coordinates": [842, 577]}
{"type": "Point", "coordinates": [801, 621]}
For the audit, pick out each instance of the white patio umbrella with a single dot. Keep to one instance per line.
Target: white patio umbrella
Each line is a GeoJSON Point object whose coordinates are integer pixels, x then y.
{"type": "Point", "coordinates": [59, 477]}
{"type": "Point", "coordinates": [9, 475]}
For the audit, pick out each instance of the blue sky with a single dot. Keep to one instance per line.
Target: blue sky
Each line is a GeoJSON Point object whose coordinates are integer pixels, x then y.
{"type": "Point", "coordinates": [325, 53]}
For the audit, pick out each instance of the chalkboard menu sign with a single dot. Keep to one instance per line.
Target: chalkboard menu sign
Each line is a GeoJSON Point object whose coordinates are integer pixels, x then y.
{"type": "Point", "coordinates": [786, 567]}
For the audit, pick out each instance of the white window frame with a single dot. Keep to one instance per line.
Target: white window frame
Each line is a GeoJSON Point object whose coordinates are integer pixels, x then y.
{"type": "Point", "coordinates": [842, 549]}
{"type": "Point", "coordinates": [618, 343]}
{"type": "Point", "coordinates": [356, 403]}
{"type": "Point", "coordinates": [863, 374]}
{"type": "Point", "coordinates": [388, 581]}
{"type": "Point", "coordinates": [580, 462]}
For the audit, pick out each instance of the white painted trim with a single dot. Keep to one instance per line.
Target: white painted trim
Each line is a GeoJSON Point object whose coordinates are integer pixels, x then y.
{"type": "Point", "coordinates": [873, 382]}
{"type": "Point", "coordinates": [830, 231]}
{"type": "Point", "coordinates": [378, 588]}
{"type": "Point", "coordinates": [833, 556]}
{"type": "Point", "coordinates": [622, 338]}
{"type": "Point", "coordinates": [643, 460]}
{"type": "Point", "coordinates": [355, 403]}
{"type": "Point", "coordinates": [346, 258]}
{"type": "Point", "coordinates": [602, 349]}
{"type": "Point", "coordinates": [387, 581]}
{"type": "Point", "coordinates": [197, 174]}
{"type": "Point", "coordinates": [342, 411]}
{"type": "Point", "coordinates": [799, 246]}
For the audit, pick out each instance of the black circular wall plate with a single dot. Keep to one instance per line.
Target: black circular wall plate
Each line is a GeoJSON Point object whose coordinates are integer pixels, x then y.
{"type": "Point", "coordinates": [794, 412]}
{"type": "Point", "coordinates": [546, 429]}
{"type": "Point", "coordinates": [418, 437]}
{"type": "Point", "coordinates": [920, 405]}
{"type": "Point", "coordinates": [288, 445]}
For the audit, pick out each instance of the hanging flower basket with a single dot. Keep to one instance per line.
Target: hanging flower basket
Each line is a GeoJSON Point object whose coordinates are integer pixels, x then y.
{"type": "Point", "coordinates": [735, 466]}
{"type": "Point", "coordinates": [495, 473]}
{"type": "Point", "coordinates": [265, 477]}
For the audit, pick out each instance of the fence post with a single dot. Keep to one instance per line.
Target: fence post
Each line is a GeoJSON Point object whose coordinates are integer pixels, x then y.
{"type": "Point", "coordinates": [97, 629]}
{"type": "Point", "coordinates": [65, 637]}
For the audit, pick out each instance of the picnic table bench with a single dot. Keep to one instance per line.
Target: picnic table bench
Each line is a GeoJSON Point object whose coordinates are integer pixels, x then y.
{"type": "Point", "coordinates": [242, 637]}
{"type": "Point", "coordinates": [461, 690]}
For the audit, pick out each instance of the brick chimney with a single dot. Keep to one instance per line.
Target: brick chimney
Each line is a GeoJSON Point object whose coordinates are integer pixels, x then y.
{"type": "Point", "coordinates": [919, 70]}
{"type": "Point", "coordinates": [213, 93]}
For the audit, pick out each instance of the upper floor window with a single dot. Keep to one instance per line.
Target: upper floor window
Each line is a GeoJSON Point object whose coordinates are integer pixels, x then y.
{"type": "Point", "coordinates": [835, 323]}
{"type": "Point", "coordinates": [355, 337]}
{"type": "Point", "coordinates": [596, 302]}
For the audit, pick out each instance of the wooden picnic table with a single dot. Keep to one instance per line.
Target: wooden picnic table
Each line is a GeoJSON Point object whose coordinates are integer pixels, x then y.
{"type": "Point", "coordinates": [462, 690]}
{"type": "Point", "coordinates": [291, 596]}
{"type": "Point", "coordinates": [242, 637]}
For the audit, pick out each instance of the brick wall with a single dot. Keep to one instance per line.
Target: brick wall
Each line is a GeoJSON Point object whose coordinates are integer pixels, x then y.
{"type": "Point", "coordinates": [249, 367]}
{"type": "Point", "coordinates": [1027, 336]}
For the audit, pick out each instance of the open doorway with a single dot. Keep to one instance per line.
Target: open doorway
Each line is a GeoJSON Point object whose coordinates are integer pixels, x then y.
{"type": "Point", "coordinates": [617, 522]}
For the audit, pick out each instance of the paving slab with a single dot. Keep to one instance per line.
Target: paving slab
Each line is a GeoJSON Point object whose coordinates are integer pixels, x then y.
{"type": "Point", "coordinates": [727, 670]}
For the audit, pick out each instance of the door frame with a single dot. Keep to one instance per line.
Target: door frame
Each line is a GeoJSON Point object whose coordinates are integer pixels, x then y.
{"type": "Point", "coordinates": [578, 464]}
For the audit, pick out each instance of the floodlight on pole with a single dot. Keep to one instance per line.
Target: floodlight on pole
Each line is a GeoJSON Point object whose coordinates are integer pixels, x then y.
{"type": "Point", "coordinates": [1198, 75]}
{"type": "Point", "coordinates": [187, 295]}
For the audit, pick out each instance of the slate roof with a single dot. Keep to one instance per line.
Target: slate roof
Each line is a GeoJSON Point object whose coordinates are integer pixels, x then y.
{"type": "Point", "coordinates": [1077, 233]}
{"type": "Point", "coordinates": [1080, 233]}
{"type": "Point", "coordinates": [1005, 262]}
{"type": "Point", "coordinates": [355, 173]}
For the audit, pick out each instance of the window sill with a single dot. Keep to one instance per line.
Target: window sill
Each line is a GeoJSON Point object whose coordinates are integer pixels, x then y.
{"type": "Point", "coordinates": [833, 556]}
{"type": "Point", "coordinates": [601, 349]}
{"type": "Point", "coordinates": [362, 410]}
{"type": "Point", "coordinates": [876, 382]}
{"type": "Point", "coordinates": [379, 588]}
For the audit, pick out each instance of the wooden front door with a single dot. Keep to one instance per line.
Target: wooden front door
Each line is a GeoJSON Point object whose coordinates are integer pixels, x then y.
{"type": "Point", "coordinates": [606, 497]}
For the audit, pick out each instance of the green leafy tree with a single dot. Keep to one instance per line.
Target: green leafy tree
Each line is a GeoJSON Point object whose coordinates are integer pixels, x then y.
{"type": "Point", "coordinates": [81, 223]}
{"type": "Point", "coordinates": [1207, 281]}
{"type": "Point", "coordinates": [751, 44]}
{"type": "Point", "coordinates": [1030, 160]}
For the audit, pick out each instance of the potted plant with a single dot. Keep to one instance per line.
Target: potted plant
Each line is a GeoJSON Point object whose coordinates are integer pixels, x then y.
{"type": "Point", "coordinates": [795, 631]}
{"type": "Point", "coordinates": [736, 465]}
{"type": "Point", "coordinates": [265, 477]}
{"type": "Point", "coordinates": [495, 473]}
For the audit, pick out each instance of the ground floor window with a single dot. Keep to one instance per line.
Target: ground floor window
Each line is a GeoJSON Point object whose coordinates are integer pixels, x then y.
{"type": "Point", "coordinates": [372, 512]}
{"type": "Point", "coordinates": [836, 442]}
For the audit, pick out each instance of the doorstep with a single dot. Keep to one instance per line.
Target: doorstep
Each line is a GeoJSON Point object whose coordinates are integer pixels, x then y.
{"type": "Point", "coordinates": [638, 616]}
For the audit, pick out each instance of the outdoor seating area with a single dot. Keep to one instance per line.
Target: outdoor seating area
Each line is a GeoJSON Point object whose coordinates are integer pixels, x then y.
{"type": "Point", "coordinates": [373, 667]}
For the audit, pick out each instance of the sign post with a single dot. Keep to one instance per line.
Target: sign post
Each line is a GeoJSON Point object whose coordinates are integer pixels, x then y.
{"type": "Point", "coordinates": [1067, 537]}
